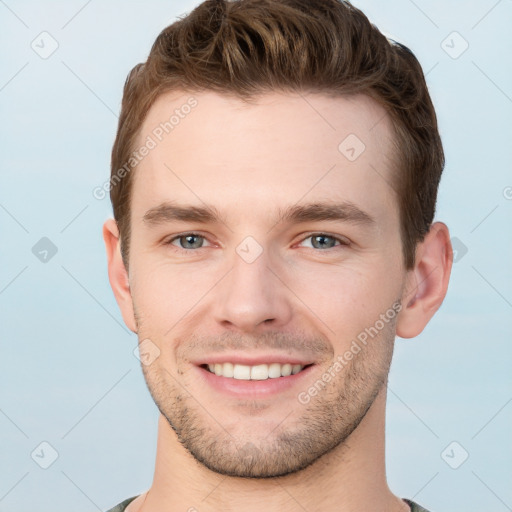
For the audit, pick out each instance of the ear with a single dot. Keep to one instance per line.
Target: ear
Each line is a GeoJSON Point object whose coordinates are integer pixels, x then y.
{"type": "Point", "coordinates": [117, 274]}
{"type": "Point", "coordinates": [427, 282]}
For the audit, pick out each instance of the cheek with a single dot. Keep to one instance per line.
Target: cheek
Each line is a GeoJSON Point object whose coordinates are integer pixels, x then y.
{"type": "Point", "coordinates": [164, 293]}
{"type": "Point", "coordinates": [346, 298]}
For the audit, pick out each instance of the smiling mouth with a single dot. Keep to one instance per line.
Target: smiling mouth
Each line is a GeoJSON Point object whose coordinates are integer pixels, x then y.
{"type": "Point", "coordinates": [256, 372]}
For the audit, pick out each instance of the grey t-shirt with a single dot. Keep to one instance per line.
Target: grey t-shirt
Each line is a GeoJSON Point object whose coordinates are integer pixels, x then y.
{"type": "Point", "coordinates": [122, 506]}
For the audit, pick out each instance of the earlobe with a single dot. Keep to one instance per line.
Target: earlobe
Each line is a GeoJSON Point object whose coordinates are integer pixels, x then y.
{"type": "Point", "coordinates": [117, 274]}
{"type": "Point", "coordinates": [427, 282]}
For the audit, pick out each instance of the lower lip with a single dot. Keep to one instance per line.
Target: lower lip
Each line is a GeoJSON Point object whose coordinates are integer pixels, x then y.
{"type": "Point", "coordinates": [252, 388]}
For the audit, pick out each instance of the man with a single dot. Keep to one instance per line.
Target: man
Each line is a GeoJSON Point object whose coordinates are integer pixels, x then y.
{"type": "Point", "coordinates": [274, 181]}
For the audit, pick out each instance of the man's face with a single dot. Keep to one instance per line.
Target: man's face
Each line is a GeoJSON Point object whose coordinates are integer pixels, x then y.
{"type": "Point", "coordinates": [265, 280]}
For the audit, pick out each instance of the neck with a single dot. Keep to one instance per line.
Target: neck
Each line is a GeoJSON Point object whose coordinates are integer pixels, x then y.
{"type": "Point", "coordinates": [350, 478]}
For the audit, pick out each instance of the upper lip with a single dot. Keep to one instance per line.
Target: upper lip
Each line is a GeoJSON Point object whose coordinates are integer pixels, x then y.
{"type": "Point", "coordinates": [252, 360]}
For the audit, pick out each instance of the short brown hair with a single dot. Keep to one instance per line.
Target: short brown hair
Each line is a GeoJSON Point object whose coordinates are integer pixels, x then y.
{"type": "Point", "coordinates": [248, 47]}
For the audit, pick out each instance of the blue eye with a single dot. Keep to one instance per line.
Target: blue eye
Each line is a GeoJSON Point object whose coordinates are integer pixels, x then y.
{"type": "Point", "coordinates": [188, 241]}
{"type": "Point", "coordinates": [325, 241]}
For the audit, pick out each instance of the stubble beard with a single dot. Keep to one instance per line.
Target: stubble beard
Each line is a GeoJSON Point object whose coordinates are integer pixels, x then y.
{"type": "Point", "coordinates": [300, 439]}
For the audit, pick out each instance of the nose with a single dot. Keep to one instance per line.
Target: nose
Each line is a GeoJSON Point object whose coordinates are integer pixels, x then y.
{"type": "Point", "coordinates": [253, 295]}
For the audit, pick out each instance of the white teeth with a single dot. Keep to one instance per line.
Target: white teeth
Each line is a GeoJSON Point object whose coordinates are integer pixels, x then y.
{"type": "Point", "coordinates": [242, 372]}
{"type": "Point", "coordinates": [296, 368]}
{"type": "Point", "coordinates": [257, 372]}
{"type": "Point", "coordinates": [228, 370]}
{"type": "Point", "coordinates": [274, 370]}
{"type": "Point", "coordinates": [225, 369]}
{"type": "Point", "coordinates": [286, 370]}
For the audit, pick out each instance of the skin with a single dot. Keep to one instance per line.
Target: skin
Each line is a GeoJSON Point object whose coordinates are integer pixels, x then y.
{"type": "Point", "coordinates": [198, 297]}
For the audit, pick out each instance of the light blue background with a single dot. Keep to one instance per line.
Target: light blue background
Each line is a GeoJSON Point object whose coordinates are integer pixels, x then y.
{"type": "Point", "coordinates": [68, 373]}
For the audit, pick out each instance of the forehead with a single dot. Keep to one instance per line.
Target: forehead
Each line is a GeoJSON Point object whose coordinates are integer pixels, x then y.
{"type": "Point", "coordinates": [277, 149]}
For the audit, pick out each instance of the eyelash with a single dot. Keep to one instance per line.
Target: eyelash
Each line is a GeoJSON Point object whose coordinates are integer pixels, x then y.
{"type": "Point", "coordinates": [342, 242]}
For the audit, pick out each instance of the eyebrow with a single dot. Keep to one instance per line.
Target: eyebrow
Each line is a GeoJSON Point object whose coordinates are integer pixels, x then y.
{"type": "Point", "coordinates": [295, 214]}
